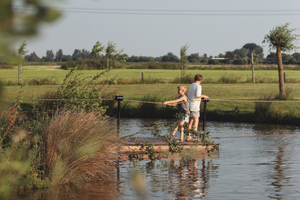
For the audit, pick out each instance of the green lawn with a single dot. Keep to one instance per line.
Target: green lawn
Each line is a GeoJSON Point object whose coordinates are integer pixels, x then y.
{"type": "Point", "coordinates": [169, 75]}
{"type": "Point", "coordinates": [169, 91]}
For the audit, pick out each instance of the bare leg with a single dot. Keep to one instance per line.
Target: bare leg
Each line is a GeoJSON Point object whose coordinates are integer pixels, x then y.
{"type": "Point", "coordinates": [174, 130]}
{"type": "Point", "coordinates": [191, 122]}
{"type": "Point", "coordinates": [195, 123]}
{"type": "Point", "coordinates": [181, 123]}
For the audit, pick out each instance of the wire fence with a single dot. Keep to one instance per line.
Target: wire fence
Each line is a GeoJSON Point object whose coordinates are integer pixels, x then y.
{"type": "Point", "coordinates": [159, 103]}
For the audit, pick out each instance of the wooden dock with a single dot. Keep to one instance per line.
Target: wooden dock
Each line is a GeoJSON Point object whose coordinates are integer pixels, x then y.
{"type": "Point", "coordinates": [160, 145]}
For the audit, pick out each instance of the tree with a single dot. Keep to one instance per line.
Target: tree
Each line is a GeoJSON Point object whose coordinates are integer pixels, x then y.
{"type": "Point", "coordinates": [281, 38]}
{"type": "Point", "coordinates": [76, 54]}
{"type": "Point", "coordinates": [229, 55]}
{"type": "Point", "coordinates": [49, 56]}
{"type": "Point", "coordinates": [32, 57]}
{"type": "Point", "coordinates": [21, 53]}
{"type": "Point", "coordinates": [241, 53]}
{"type": "Point", "coordinates": [194, 57]}
{"type": "Point", "coordinates": [97, 49]}
{"type": "Point", "coordinates": [253, 49]}
{"type": "Point", "coordinates": [296, 56]}
{"type": "Point", "coordinates": [183, 57]}
{"type": "Point", "coordinates": [110, 51]}
{"type": "Point", "coordinates": [170, 57]}
{"type": "Point", "coordinates": [59, 55]}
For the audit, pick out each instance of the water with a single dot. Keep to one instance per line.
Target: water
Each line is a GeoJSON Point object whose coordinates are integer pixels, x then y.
{"type": "Point", "coordinates": [244, 168]}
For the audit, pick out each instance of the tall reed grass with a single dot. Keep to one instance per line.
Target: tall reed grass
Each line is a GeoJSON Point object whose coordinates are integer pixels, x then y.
{"type": "Point", "coordinates": [81, 147]}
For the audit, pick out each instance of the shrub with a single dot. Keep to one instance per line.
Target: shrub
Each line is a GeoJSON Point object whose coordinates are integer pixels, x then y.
{"type": "Point", "coordinates": [289, 95]}
{"type": "Point", "coordinates": [229, 79]}
{"type": "Point", "coordinates": [87, 64]}
{"type": "Point", "coordinates": [186, 79]}
{"type": "Point", "coordinates": [240, 61]}
{"type": "Point", "coordinates": [164, 65]}
{"type": "Point", "coordinates": [81, 147]}
{"type": "Point", "coordinates": [86, 88]}
{"type": "Point", "coordinates": [213, 62]}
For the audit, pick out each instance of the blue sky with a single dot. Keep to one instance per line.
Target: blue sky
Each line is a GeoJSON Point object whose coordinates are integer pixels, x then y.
{"type": "Point", "coordinates": [156, 35]}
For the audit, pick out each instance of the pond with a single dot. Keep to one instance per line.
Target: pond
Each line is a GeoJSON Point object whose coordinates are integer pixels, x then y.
{"type": "Point", "coordinates": [244, 168]}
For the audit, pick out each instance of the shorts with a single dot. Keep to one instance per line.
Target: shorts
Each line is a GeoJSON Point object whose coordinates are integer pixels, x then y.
{"type": "Point", "coordinates": [195, 114]}
{"type": "Point", "coordinates": [184, 117]}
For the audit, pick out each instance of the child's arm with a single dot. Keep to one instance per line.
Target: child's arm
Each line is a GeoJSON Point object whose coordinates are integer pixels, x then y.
{"type": "Point", "coordinates": [174, 102]}
{"type": "Point", "coordinates": [203, 96]}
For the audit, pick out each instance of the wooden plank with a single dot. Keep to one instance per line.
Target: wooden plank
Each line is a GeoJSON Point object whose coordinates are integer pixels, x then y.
{"type": "Point", "coordinates": [160, 145]}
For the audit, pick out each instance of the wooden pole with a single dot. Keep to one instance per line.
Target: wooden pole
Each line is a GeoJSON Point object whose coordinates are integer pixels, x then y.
{"type": "Point", "coordinates": [204, 114]}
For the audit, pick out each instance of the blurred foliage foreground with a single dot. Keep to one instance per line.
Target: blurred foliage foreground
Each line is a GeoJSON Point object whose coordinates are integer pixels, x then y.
{"type": "Point", "coordinates": [48, 144]}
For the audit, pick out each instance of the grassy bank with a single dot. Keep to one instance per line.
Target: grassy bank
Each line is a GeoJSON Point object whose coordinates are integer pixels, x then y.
{"type": "Point", "coordinates": [217, 110]}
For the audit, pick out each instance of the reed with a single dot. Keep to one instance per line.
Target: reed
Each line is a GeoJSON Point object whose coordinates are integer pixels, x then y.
{"type": "Point", "coordinates": [80, 147]}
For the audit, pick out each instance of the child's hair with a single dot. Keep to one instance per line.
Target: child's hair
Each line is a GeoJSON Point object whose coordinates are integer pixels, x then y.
{"type": "Point", "coordinates": [182, 87]}
{"type": "Point", "coordinates": [198, 77]}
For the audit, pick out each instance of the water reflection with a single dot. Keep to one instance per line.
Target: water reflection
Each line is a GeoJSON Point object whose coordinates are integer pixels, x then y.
{"type": "Point", "coordinates": [173, 178]}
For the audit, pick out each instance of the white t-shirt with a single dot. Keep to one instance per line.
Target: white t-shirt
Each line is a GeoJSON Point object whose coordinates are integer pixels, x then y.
{"type": "Point", "coordinates": [194, 92]}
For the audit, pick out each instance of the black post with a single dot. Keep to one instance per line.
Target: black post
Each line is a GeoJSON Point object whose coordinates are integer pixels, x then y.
{"type": "Point", "coordinates": [119, 99]}
{"type": "Point", "coordinates": [142, 76]}
{"type": "Point", "coordinates": [204, 113]}
{"type": "Point", "coordinates": [284, 77]}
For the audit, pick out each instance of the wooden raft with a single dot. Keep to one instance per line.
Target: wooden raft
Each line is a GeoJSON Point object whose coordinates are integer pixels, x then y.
{"type": "Point", "coordinates": [159, 145]}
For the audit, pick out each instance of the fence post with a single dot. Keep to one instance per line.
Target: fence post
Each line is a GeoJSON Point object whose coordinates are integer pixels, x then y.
{"type": "Point", "coordinates": [284, 77]}
{"type": "Point", "coordinates": [119, 99]}
{"type": "Point", "coordinates": [204, 113]}
{"type": "Point", "coordinates": [142, 76]}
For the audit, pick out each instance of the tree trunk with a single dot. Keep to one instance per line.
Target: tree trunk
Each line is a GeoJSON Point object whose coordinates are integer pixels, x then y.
{"type": "Point", "coordinates": [107, 65]}
{"type": "Point", "coordinates": [20, 73]}
{"type": "Point", "coordinates": [253, 74]}
{"type": "Point", "coordinates": [280, 71]}
{"type": "Point", "coordinates": [181, 71]}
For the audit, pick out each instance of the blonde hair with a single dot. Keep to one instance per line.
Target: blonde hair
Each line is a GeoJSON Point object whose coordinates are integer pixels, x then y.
{"type": "Point", "coordinates": [182, 87]}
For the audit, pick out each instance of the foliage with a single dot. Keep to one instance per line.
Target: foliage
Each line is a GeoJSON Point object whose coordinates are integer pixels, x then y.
{"type": "Point", "coordinates": [213, 62]}
{"type": "Point", "coordinates": [91, 64]}
{"type": "Point", "coordinates": [74, 87]}
{"type": "Point", "coordinates": [28, 22]}
{"type": "Point", "coordinates": [170, 57]}
{"type": "Point", "coordinates": [282, 37]}
{"type": "Point", "coordinates": [97, 49]}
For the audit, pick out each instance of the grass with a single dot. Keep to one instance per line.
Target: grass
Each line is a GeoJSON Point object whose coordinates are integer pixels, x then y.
{"type": "Point", "coordinates": [168, 91]}
{"type": "Point", "coordinates": [166, 75]}
{"type": "Point", "coordinates": [81, 147]}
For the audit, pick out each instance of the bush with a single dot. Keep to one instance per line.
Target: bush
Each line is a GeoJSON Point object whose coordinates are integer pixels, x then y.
{"type": "Point", "coordinates": [186, 79]}
{"type": "Point", "coordinates": [240, 61]}
{"type": "Point", "coordinates": [228, 79]}
{"type": "Point", "coordinates": [87, 64]}
{"type": "Point", "coordinates": [213, 62]}
{"type": "Point", "coordinates": [164, 65]}
{"type": "Point", "coordinates": [289, 95]}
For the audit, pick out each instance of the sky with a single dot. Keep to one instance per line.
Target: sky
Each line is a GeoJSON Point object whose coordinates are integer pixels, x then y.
{"type": "Point", "coordinates": [210, 27]}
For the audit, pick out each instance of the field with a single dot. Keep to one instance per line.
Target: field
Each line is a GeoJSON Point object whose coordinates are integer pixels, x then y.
{"type": "Point", "coordinates": [246, 91]}
{"type": "Point", "coordinates": [168, 75]}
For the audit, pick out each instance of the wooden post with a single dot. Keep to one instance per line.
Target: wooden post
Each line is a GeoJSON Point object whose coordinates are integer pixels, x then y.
{"type": "Point", "coordinates": [119, 99]}
{"type": "Point", "coordinates": [142, 76]}
{"type": "Point", "coordinates": [204, 113]}
{"type": "Point", "coordinates": [283, 76]}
